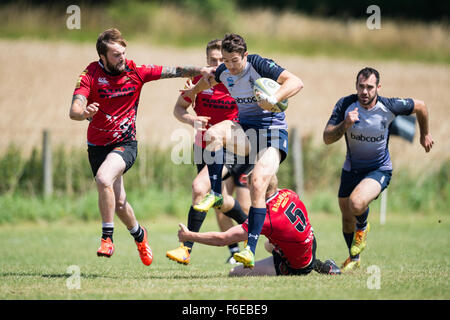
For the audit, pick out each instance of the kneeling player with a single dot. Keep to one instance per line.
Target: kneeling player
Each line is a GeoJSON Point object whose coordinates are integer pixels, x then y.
{"type": "Point", "coordinates": [290, 235]}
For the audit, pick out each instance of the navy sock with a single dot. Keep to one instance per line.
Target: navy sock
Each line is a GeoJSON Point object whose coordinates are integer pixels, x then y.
{"type": "Point", "coordinates": [236, 213]}
{"type": "Point", "coordinates": [348, 240]}
{"type": "Point", "coordinates": [215, 170]}
{"type": "Point", "coordinates": [195, 221]}
{"type": "Point", "coordinates": [361, 221]}
{"type": "Point", "coordinates": [256, 218]}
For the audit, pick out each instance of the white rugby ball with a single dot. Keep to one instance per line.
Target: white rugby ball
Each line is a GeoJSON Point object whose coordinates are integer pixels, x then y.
{"type": "Point", "coordinates": [269, 87]}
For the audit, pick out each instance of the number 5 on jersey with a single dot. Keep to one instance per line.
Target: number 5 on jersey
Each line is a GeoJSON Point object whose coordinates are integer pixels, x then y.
{"type": "Point", "coordinates": [292, 216]}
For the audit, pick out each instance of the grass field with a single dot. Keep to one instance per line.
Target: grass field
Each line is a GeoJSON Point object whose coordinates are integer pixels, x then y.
{"type": "Point", "coordinates": [411, 252]}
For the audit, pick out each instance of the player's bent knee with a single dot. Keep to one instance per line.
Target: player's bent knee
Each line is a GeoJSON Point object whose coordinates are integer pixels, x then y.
{"type": "Point", "coordinates": [213, 136]}
{"type": "Point", "coordinates": [199, 189]}
{"type": "Point", "coordinates": [103, 181]}
{"type": "Point", "coordinates": [357, 205]}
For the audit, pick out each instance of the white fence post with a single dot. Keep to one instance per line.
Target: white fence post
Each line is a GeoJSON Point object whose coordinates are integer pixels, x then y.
{"type": "Point", "coordinates": [383, 206]}
{"type": "Point", "coordinates": [47, 164]}
{"type": "Point", "coordinates": [298, 161]}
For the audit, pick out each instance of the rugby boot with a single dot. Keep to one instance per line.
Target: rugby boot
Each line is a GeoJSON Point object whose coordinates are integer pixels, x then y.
{"type": "Point", "coordinates": [145, 252]}
{"type": "Point", "coordinates": [327, 267]}
{"type": "Point", "coordinates": [246, 257]}
{"type": "Point", "coordinates": [212, 199]}
{"type": "Point", "coordinates": [350, 265]}
{"type": "Point", "coordinates": [359, 241]}
{"type": "Point", "coordinates": [106, 248]}
{"type": "Point", "coordinates": [180, 255]}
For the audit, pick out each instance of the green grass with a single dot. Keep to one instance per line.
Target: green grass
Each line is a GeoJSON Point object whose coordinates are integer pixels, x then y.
{"type": "Point", "coordinates": [412, 253]}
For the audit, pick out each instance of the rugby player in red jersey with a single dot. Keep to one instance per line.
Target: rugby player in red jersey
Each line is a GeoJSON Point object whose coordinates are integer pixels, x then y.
{"type": "Point", "coordinates": [212, 106]}
{"type": "Point", "coordinates": [107, 94]}
{"type": "Point", "coordinates": [290, 236]}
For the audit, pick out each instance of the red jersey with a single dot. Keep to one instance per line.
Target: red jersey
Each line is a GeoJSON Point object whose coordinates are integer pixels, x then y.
{"type": "Point", "coordinates": [287, 227]}
{"type": "Point", "coordinates": [216, 103]}
{"type": "Point", "coordinates": [118, 98]}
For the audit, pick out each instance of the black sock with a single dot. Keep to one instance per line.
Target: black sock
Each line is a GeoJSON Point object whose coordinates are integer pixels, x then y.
{"type": "Point", "coordinates": [233, 248]}
{"type": "Point", "coordinates": [107, 232]}
{"type": "Point", "coordinates": [215, 170]}
{"type": "Point", "coordinates": [361, 221]}
{"type": "Point", "coordinates": [195, 221]}
{"type": "Point", "coordinates": [348, 240]}
{"type": "Point", "coordinates": [138, 235]}
{"type": "Point", "coordinates": [236, 213]}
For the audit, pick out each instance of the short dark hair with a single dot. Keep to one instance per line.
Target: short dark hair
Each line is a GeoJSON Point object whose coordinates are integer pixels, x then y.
{"type": "Point", "coordinates": [215, 44]}
{"type": "Point", "coordinates": [111, 35]}
{"type": "Point", "coordinates": [234, 43]}
{"type": "Point", "coordinates": [367, 72]}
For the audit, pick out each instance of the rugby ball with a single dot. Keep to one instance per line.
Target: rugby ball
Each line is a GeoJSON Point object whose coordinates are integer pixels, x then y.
{"type": "Point", "coordinates": [269, 87]}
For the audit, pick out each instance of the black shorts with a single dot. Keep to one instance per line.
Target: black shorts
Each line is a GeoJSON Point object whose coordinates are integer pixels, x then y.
{"type": "Point", "coordinates": [282, 267]}
{"type": "Point", "coordinates": [127, 150]}
{"type": "Point", "coordinates": [237, 167]}
{"type": "Point", "coordinates": [350, 179]}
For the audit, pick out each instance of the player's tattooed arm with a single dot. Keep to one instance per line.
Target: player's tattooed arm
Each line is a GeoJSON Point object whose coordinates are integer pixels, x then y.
{"type": "Point", "coordinates": [186, 72]}
{"type": "Point", "coordinates": [80, 97]}
{"type": "Point", "coordinates": [180, 72]}
{"type": "Point", "coordinates": [78, 109]}
{"type": "Point", "coordinates": [333, 133]}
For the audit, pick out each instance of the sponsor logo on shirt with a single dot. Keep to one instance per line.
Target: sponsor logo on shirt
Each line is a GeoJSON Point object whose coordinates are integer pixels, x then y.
{"type": "Point", "coordinates": [282, 200]}
{"type": "Point", "coordinates": [230, 82]}
{"type": "Point", "coordinates": [246, 100]}
{"type": "Point", "coordinates": [103, 81]}
{"type": "Point", "coordinates": [361, 137]}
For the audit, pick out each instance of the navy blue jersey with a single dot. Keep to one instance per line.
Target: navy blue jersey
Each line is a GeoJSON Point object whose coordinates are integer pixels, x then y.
{"type": "Point", "coordinates": [241, 89]}
{"type": "Point", "coordinates": [368, 139]}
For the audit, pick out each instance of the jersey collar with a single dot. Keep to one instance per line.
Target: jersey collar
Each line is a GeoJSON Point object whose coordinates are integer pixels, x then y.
{"type": "Point", "coordinates": [272, 196]}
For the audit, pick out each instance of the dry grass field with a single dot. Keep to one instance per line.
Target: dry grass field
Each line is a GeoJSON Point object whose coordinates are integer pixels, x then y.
{"type": "Point", "coordinates": [38, 79]}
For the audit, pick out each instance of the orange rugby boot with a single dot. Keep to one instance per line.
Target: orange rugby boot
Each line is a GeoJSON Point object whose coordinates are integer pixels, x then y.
{"type": "Point", "coordinates": [106, 248]}
{"type": "Point", "coordinates": [145, 252]}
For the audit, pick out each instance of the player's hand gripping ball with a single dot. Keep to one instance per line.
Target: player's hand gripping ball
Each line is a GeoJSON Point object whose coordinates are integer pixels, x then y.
{"type": "Point", "coordinates": [265, 89]}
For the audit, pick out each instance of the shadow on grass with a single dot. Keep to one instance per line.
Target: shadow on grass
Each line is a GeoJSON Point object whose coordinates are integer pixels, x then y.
{"type": "Point", "coordinates": [54, 275]}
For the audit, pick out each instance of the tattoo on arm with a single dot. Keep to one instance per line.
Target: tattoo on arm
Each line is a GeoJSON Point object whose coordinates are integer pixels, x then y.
{"type": "Point", "coordinates": [179, 72]}
{"type": "Point", "coordinates": [81, 98]}
{"type": "Point", "coordinates": [334, 133]}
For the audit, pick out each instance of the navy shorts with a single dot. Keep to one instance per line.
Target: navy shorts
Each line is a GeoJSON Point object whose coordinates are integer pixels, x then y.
{"type": "Point", "coordinates": [282, 267]}
{"type": "Point", "coordinates": [350, 179]}
{"type": "Point", "coordinates": [127, 150]}
{"type": "Point", "coordinates": [261, 139]}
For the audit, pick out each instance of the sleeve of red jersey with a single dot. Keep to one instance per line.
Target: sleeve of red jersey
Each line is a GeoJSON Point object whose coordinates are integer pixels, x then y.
{"type": "Point", "coordinates": [83, 85]}
{"type": "Point", "coordinates": [149, 72]}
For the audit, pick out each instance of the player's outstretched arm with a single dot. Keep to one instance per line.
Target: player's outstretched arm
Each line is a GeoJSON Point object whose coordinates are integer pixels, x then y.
{"type": "Point", "coordinates": [78, 109]}
{"type": "Point", "coordinates": [421, 110]}
{"type": "Point", "coordinates": [232, 235]}
{"type": "Point", "coordinates": [186, 72]}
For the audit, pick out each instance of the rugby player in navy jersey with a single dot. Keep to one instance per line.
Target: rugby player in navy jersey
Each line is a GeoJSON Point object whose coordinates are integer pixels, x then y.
{"type": "Point", "coordinates": [363, 119]}
{"type": "Point", "coordinates": [260, 134]}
